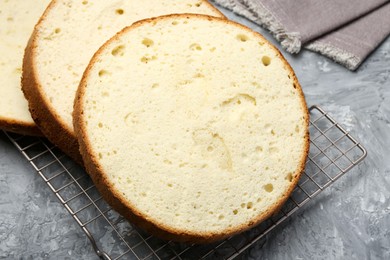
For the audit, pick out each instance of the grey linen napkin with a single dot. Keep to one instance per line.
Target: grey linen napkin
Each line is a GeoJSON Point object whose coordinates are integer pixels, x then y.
{"type": "Point", "coordinates": [346, 31]}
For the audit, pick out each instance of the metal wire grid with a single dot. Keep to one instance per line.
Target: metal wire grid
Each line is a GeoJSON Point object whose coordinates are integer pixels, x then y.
{"type": "Point", "coordinates": [333, 152]}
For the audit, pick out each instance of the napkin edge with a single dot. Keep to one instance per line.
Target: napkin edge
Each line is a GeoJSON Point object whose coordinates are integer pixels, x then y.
{"type": "Point", "coordinates": [343, 57]}
{"type": "Point", "coordinates": [290, 41]}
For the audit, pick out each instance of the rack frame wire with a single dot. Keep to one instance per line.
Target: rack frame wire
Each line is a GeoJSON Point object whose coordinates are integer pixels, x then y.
{"type": "Point", "coordinates": [333, 152]}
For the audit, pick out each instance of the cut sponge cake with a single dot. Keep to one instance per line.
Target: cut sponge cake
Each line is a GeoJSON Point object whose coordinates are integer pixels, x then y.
{"type": "Point", "coordinates": [193, 127]}
{"type": "Point", "coordinates": [17, 20]}
{"type": "Point", "coordinates": [62, 44]}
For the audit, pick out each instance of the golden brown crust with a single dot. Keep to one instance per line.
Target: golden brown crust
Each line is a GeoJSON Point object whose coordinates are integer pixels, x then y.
{"type": "Point", "coordinates": [44, 116]}
{"type": "Point", "coordinates": [16, 126]}
{"type": "Point", "coordinates": [124, 207]}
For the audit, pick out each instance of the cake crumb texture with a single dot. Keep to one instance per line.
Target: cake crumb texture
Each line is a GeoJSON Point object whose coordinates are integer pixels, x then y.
{"type": "Point", "coordinates": [193, 127]}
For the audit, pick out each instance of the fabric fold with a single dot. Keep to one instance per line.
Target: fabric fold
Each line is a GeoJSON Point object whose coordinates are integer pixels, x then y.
{"type": "Point", "coordinates": [346, 31]}
{"type": "Point", "coordinates": [351, 44]}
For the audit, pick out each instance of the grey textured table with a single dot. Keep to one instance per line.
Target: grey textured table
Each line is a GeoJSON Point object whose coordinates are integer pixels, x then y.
{"type": "Point", "coordinates": [350, 220]}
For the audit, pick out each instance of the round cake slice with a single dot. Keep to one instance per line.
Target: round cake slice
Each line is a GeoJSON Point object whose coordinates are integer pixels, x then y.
{"type": "Point", "coordinates": [193, 127]}
{"type": "Point", "coordinates": [17, 19]}
{"type": "Point", "coordinates": [64, 41]}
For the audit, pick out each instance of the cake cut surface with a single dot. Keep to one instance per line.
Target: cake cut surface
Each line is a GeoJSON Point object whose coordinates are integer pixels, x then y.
{"type": "Point", "coordinates": [62, 44]}
{"type": "Point", "coordinates": [17, 19]}
{"type": "Point", "coordinates": [193, 127]}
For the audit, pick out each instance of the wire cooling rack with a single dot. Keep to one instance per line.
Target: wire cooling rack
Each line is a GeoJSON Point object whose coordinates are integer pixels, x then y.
{"type": "Point", "coordinates": [333, 152]}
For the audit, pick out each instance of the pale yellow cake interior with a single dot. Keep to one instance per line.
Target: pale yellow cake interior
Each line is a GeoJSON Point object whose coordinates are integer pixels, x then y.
{"type": "Point", "coordinates": [197, 124]}
{"type": "Point", "coordinates": [17, 20]}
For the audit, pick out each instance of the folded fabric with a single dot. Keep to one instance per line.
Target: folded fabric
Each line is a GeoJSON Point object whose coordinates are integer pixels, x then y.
{"type": "Point", "coordinates": [346, 31]}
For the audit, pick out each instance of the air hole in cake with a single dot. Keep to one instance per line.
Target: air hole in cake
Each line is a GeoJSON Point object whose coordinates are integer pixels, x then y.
{"type": "Point", "coordinates": [169, 185]}
{"type": "Point", "coordinates": [249, 205]}
{"type": "Point", "coordinates": [198, 4]}
{"type": "Point", "coordinates": [213, 49]}
{"type": "Point", "coordinates": [167, 162]}
{"type": "Point", "coordinates": [294, 85]}
{"type": "Point", "coordinates": [289, 177]}
{"type": "Point", "coordinates": [258, 200]}
{"type": "Point", "coordinates": [119, 11]}
{"type": "Point", "coordinates": [273, 132]}
{"type": "Point", "coordinates": [57, 30]}
{"type": "Point", "coordinates": [174, 22]}
{"type": "Point", "coordinates": [243, 205]}
{"type": "Point", "coordinates": [269, 187]}
{"type": "Point", "coordinates": [182, 165]}
{"type": "Point", "coordinates": [239, 99]}
{"type": "Point", "coordinates": [297, 128]}
{"type": "Point", "coordinates": [195, 47]}
{"type": "Point", "coordinates": [103, 73]}
{"type": "Point", "coordinates": [85, 2]}
{"type": "Point", "coordinates": [198, 75]}
{"type": "Point", "coordinates": [100, 125]}
{"type": "Point", "coordinates": [259, 149]}
{"type": "Point", "coordinates": [242, 37]}
{"type": "Point", "coordinates": [266, 60]}
{"type": "Point", "coordinates": [100, 155]}
{"type": "Point", "coordinates": [118, 50]}
{"type": "Point", "coordinates": [210, 148]}
{"type": "Point", "coordinates": [147, 42]}
{"type": "Point", "coordinates": [18, 70]}
{"type": "Point", "coordinates": [220, 217]}
{"type": "Point", "coordinates": [235, 212]}
{"type": "Point", "coordinates": [146, 59]}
